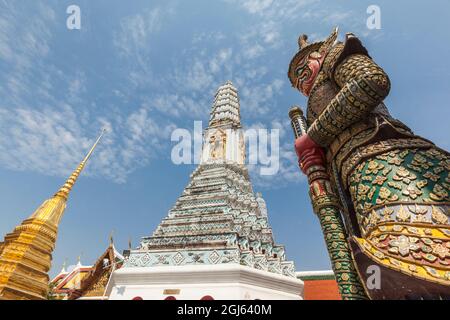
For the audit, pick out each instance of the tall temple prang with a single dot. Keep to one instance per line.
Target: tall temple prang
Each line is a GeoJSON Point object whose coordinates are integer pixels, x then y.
{"type": "Point", "coordinates": [216, 242]}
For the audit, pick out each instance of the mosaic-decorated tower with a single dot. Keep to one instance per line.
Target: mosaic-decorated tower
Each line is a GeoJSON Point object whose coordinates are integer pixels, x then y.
{"type": "Point", "coordinates": [216, 241]}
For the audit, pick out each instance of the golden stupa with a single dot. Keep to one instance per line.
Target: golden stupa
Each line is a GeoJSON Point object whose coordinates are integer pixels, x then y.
{"type": "Point", "coordinates": [26, 253]}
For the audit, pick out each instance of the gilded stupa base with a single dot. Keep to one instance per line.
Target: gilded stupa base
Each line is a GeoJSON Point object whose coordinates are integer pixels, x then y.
{"type": "Point", "coordinates": [25, 261]}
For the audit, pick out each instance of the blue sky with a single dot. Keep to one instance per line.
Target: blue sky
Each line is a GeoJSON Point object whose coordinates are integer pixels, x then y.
{"type": "Point", "coordinates": [142, 68]}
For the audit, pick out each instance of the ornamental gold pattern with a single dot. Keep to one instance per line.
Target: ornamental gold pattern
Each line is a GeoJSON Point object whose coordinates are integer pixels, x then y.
{"type": "Point", "coordinates": [406, 227]}
{"type": "Point", "coordinates": [26, 253]}
{"type": "Point", "coordinates": [420, 250]}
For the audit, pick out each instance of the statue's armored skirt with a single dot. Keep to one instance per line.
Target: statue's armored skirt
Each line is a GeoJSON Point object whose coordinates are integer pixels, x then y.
{"type": "Point", "coordinates": [393, 184]}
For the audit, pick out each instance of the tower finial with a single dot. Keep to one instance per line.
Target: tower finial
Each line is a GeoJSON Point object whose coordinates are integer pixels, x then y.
{"type": "Point", "coordinates": [79, 260]}
{"type": "Point", "coordinates": [64, 266]}
{"type": "Point", "coordinates": [111, 239]}
{"type": "Point", "coordinates": [65, 189]}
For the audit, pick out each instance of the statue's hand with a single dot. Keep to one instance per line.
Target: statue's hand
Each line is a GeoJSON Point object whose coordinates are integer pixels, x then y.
{"type": "Point", "coordinates": [309, 153]}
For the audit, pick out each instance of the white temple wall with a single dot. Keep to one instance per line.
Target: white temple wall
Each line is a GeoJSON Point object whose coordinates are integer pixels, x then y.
{"type": "Point", "coordinates": [222, 282]}
{"type": "Point", "coordinates": [230, 291]}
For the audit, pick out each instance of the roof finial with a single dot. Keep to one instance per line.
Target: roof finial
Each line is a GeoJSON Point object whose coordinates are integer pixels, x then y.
{"type": "Point", "coordinates": [64, 265]}
{"type": "Point", "coordinates": [129, 243]}
{"type": "Point", "coordinates": [65, 189]}
{"type": "Point", "coordinates": [111, 239]}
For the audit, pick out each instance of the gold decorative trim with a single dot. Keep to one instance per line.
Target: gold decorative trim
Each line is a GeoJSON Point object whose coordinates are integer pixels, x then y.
{"type": "Point", "coordinates": [415, 270]}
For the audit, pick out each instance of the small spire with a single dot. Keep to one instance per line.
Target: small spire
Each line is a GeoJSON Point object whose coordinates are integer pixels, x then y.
{"type": "Point", "coordinates": [65, 189]}
{"type": "Point", "coordinates": [63, 269]}
{"type": "Point", "coordinates": [79, 261]}
{"type": "Point", "coordinates": [129, 243]}
{"type": "Point", "coordinates": [111, 239]}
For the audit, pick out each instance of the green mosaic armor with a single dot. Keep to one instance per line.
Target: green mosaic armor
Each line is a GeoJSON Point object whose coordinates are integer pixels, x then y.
{"type": "Point", "coordinates": [393, 184]}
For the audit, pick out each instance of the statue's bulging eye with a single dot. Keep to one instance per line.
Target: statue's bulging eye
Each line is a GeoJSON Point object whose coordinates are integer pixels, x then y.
{"type": "Point", "coordinates": [315, 55]}
{"type": "Point", "coordinates": [301, 66]}
{"type": "Point", "coordinates": [303, 73]}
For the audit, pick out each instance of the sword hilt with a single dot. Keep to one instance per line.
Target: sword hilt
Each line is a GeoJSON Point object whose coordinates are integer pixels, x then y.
{"type": "Point", "coordinates": [298, 121]}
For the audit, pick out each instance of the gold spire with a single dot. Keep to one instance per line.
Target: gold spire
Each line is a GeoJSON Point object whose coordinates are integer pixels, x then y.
{"type": "Point", "coordinates": [53, 209]}
{"type": "Point", "coordinates": [64, 266]}
{"type": "Point", "coordinates": [79, 260]}
{"type": "Point", "coordinates": [26, 253]}
{"type": "Point", "coordinates": [65, 189]}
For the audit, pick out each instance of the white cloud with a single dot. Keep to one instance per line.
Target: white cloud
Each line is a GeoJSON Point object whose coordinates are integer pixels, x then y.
{"type": "Point", "coordinates": [24, 42]}
{"type": "Point", "coordinates": [288, 171]}
{"type": "Point", "coordinates": [77, 85]}
{"type": "Point", "coordinates": [287, 9]}
{"type": "Point", "coordinates": [48, 130]}
{"type": "Point", "coordinates": [188, 90]}
{"type": "Point", "coordinates": [134, 40]}
{"type": "Point", "coordinates": [259, 98]}
{"type": "Point", "coordinates": [42, 141]}
{"type": "Point", "coordinates": [256, 6]}
{"type": "Point", "coordinates": [134, 36]}
{"type": "Point", "coordinates": [204, 36]}
{"type": "Point", "coordinates": [54, 141]}
{"type": "Point", "coordinates": [36, 111]}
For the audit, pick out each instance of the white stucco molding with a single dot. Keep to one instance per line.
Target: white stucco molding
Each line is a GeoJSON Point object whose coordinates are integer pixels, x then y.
{"type": "Point", "coordinates": [205, 274]}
